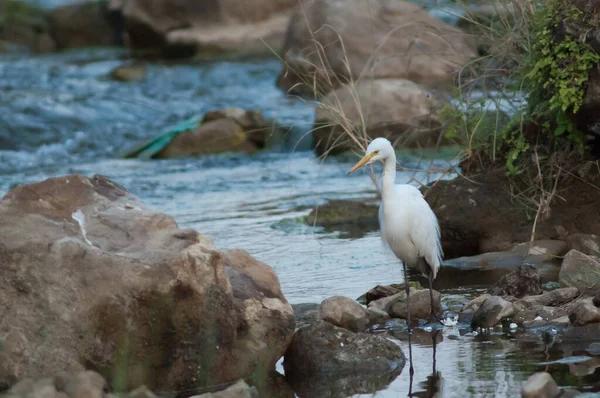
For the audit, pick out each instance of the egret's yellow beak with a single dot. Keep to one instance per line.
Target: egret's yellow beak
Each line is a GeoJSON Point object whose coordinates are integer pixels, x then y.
{"type": "Point", "coordinates": [362, 162]}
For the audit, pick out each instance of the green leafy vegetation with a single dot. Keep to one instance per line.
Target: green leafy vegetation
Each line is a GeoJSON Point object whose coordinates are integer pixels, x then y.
{"type": "Point", "coordinates": [18, 12]}
{"type": "Point", "coordinates": [530, 53]}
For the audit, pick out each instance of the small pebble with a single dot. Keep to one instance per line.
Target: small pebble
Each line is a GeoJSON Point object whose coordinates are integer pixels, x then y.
{"type": "Point", "coordinates": [513, 325]}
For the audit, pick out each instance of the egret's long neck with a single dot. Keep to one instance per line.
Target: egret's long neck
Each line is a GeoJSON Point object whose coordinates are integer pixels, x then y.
{"type": "Point", "coordinates": [389, 178]}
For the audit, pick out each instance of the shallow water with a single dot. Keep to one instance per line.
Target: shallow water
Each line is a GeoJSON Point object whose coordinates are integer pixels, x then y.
{"type": "Point", "coordinates": [62, 115]}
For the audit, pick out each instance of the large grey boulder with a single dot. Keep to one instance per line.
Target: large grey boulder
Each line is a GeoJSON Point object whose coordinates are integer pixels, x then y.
{"type": "Point", "coordinates": [92, 277]}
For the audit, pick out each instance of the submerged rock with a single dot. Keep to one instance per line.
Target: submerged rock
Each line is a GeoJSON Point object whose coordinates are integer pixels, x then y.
{"type": "Point", "coordinates": [106, 278]}
{"type": "Point", "coordinates": [226, 130]}
{"type": "Point", "coordinates": [344, 36]}
{"type": "Point", "coordinates": [323, 358]}
{"type": "Point", "coordinates": [540, 385]}
{"type": "Point", "coordinates": [397, 109]}
{"type": "Point", "coordinates": [523, 281]}
{"type": "Point", "coordinates": [352, 217]}
{"type": "Point", "coordinates": [129, 73]}
{"type": "Point", "coordinates": [491, 312]}
{"type": "Point", "coordinates": [346, 313]}
{"type": "Point", "coordinates": [579, 270]}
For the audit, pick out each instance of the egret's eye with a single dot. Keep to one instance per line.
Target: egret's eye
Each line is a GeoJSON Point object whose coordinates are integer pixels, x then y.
{"type": "Point", "coordinates": [376, 152]}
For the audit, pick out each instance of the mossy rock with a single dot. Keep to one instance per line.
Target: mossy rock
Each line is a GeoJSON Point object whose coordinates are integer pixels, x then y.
{"type": "Point", "coordinates": [353, 218]}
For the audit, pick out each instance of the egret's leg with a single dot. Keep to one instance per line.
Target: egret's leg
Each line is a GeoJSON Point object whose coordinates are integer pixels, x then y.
{"type": "Point", "coordinates": [432, 313]}
{"type": "Point", "coordinates": [407, 289]}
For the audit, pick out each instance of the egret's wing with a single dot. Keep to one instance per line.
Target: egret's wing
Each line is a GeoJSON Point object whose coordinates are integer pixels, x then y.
{"type": "Point", "coordinates": [424, 228]}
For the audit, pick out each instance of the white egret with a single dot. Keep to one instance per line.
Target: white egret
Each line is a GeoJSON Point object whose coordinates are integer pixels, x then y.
{"type": "Point", "coordinates": [408, 225]}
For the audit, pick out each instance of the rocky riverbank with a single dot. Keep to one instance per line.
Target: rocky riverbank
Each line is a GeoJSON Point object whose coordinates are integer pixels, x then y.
{"type": "Point", "coordinates": [94, 278]}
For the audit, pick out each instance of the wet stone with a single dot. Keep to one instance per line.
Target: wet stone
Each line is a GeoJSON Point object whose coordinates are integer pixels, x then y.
{"type": "Point", "coordinates": [492, 312]}
{"type": "Point", "coordinates": [466, 315]}
{"type": "Point", "coordinates": [584, 312]}
{"type": "Point", "coordinates": [540, 385]}
{"type": "Point", "coordinates": [547, 314]}
{"type": "Point", "coordinates": [420, 305]}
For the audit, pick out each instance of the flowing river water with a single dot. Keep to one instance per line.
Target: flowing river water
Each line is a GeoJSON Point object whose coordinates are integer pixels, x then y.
{"type": "Point", "coordinates": [60, 114]}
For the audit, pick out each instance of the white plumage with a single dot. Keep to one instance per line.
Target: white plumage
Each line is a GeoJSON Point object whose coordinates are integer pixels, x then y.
{"type": "Point", "coordinates": [408, 225]}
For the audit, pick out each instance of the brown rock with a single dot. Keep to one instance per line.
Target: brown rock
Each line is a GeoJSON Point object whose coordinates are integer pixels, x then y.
{"type": "Point", "coordinates": [523, 281]}
{"type": "Point", "coordinates": [398, 109]}
{"type": "Point", "coordinates": [579, 270]}
{"type": "Point", "coordinates": [381, 291]}
{"type": "Point", "coordinates": [540, 385]}
{"type": "Point", "coordinates": [384, 303]}
{"type": "Point", "coordinates": [584, 312]}
{"type": "Point", "coordinates": [84, 384]}
{"type": "Point", "coordinates": [345, 312]}
{"type": "Point", "coordinates": [81, 25]}
{"type": "Point", "coordinates": [353, 218]}
{"type": "Point", "coordinates": [420, 304]}
{"type": "Point", "coordinates": [552, 298]}
{"type": "Point", "coordinates": [375, 40]}
{"type": "Point", "coordinates": [103, 276]}
{"type": "Point", "coordinates": [231, 130]}
{"type": "Point", "coordinates": [323, 359]}
{"type": "Point", "coordinates": [466, 315]}
{"type": "Point", "coordinates": [186, 27]}
{"type": "Point", "coordinates": [461, 204]}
